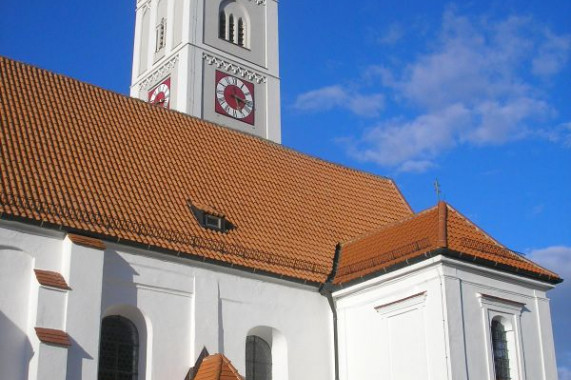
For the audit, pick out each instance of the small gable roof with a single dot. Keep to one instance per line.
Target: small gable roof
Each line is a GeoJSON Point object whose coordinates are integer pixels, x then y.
{"type": "Point", "coordinates": [217, 367]}
{"type": "Point", "coordinates": [440, 229]}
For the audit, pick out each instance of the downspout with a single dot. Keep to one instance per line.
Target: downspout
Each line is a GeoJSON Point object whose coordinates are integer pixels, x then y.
{"type": "Point", "coordinates": [326, 291]}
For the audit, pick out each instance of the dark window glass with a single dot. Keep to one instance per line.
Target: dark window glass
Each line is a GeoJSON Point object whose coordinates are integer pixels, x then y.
{"type": "Point", "coordinates": [118, 349]}
{"type": "Point", "coordinates": [222, 26]}
{"type": "Point", "coordinates": [500, 350]}
{"type": "Point", "coordinates": [241, 33]}
{"type": "Point", "coordinates": [258, 359]}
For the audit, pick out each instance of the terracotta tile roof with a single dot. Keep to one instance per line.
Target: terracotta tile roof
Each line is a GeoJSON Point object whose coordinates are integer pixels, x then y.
{"type": "Point", "coordinates": [93, 162]}
{"type": "Point", "coordinates": [217, 367]}
{"type": "Point", "coordinates": [53, 336]}
{"type": "Point", "coordinates": [51, 279]}
{"type": "Point", "coordinates": [87, 241]}
{"type": "Point", "coordinates": [439, 228]}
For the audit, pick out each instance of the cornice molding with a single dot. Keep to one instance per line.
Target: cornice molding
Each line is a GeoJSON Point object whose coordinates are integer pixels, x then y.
{"type": "Point", "coordinates": [159, 73]}
{"type": "Point", "coordinates": [234, 68]}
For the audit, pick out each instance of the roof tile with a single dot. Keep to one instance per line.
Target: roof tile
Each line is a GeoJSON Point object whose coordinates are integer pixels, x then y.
{"type": "Point", "coordinates": [217, 367]}
{"type": "Point", "coordinates": [441, 227]}
{"type": "Point", "coordinates": [101, 164]}
{"type": "Point", "coordinates": [53, 336]}
{"type": "Point", "coordinates": [51, 279]}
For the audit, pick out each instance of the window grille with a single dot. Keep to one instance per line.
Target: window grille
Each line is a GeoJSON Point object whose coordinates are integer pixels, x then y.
{"type": "Point", "coordinates": [231, 29]}
{"type": "Point", "coordinates": [118, 349]}
{"type": "Point", "coordinates": [160, 38]}
{"type": "Point", "coordinates": [500, 351]}
{"type": "Point", "coordinates": [241, 33]}
{"type": "Point", "coordinates": [222, 25]}
{"type": "Point", "coordinates": [258, 359]}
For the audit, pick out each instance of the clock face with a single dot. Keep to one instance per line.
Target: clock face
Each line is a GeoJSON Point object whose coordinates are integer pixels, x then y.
{"type": "Point", "coordinates": [160, 95]}
{"type": "Point", "coordinates": [234, 97]}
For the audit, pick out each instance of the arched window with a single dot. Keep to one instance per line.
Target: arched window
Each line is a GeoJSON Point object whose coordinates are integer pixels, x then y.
{"type": "Point", "coordinates": [500, 351]}
{"type": "Point", "coordinates": [241, 33]}
{"type": "Point", "coordinates": [233, 25]}
{"type": "Point", "coordinates": [258, 359]}
{"type": "Point", "coordinates": [118, 349]}
{"type": "Point", "coordinates": [222, 25]}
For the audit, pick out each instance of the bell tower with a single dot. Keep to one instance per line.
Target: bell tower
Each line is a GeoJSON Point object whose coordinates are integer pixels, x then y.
{"type": "Point", "coordinates": [214, 59]}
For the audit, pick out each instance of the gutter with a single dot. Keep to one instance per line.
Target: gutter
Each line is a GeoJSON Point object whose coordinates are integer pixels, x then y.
{"type": "Point", "coordinates": [326, 290]}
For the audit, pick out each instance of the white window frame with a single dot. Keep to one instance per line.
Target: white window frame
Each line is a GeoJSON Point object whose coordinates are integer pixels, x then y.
{"type": "Point", "coordinates": [212, 221]}
{"type": "Point", "coordinates": [508, 312]}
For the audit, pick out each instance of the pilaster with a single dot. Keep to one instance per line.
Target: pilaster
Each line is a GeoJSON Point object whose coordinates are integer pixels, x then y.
{"type": "Point", "coordinates": [85, 266]}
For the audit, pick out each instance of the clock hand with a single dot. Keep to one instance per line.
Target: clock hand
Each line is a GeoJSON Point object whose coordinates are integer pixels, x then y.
{"type": "Point", "coordinates": [239, 99]}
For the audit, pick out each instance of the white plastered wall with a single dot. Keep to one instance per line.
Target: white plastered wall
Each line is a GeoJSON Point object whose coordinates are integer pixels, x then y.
{"type": "Point", "coordinates": [179, 306]}
{"type": "Point", "coordinates": [24, 304]}
{"type": "Point", "coordinates": [428, 321]}
{"type": "Point", "coordinates": [188, 306]}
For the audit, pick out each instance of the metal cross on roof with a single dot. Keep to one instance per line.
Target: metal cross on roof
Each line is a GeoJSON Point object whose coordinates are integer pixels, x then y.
{"type": "Point", "coordinates": [437, 189]}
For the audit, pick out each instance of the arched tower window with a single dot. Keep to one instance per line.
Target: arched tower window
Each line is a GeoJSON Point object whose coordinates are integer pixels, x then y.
{"type": "Point", "coordinates": [233, 23]}
{"type": "Point", "coordinates": [118, 349]}
{"type": "Point", "coordinates": [500, 351]}
{"type": "Point", "coordinates": [258, 359]}
{"type": "Point", "coordinates": [241, 33]}
{"type": "Point", "coordinates": [222, 25]}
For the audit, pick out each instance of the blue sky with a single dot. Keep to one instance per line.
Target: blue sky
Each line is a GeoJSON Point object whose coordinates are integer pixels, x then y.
{"type": "Point", "coordinates": [475, 94]}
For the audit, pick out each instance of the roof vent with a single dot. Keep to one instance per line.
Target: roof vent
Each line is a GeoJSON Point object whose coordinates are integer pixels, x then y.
{"type": "Point", "coordinates": [209, 217]}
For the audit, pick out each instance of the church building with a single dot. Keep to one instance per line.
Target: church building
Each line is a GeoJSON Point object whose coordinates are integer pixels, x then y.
{"type": "Point", "coordinates": [169, 235]}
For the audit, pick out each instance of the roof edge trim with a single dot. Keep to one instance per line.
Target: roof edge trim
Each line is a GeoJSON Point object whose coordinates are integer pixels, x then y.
{"type": "Point", "coordinates": [446, 252]}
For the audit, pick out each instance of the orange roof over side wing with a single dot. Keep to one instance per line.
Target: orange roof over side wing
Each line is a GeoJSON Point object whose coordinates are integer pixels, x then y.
{"type": "Point", "coordinates": [440, 229]}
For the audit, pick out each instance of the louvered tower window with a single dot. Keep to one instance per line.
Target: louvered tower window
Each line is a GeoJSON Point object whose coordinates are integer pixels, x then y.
{"type": "Point", "coordinates": [258, 359]}
{"type": "Point", "coordinates": [233, 23]}
{"type": "Point", "coordinates": [118, 349]}
{"type": "Point", "coordinates": [160, 37]}
{"type": "Point", "coordinates": [241, 33]}
{"type": "Point", "coordinates": [500, 351]}
{"type": "Point", "coordinates": [222, 25]}
{"type": "Point", "coordinates": [231, 28]}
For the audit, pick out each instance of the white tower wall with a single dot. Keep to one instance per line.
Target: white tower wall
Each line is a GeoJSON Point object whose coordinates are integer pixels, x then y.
{"type": "Point", "coordinates": [190, 51]}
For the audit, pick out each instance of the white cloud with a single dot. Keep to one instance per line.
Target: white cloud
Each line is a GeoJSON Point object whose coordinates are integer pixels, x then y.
{"type": "Point", "coordinates": [564, 373]}
{"type": "Point", "coordinates": [327, 98]}
{"type": "Point", "coordinates": [412, 142]}
{"type": "Point", "coordinates": [556, 258]}
{"type": "Point", "coordinates": [475, 86]}
{"type": "Point", "coordinates": [554, 54]}
{"type": "Point", "coordinates": [392, 35]}
{"type": "Point", "coordinates": [416, 166]}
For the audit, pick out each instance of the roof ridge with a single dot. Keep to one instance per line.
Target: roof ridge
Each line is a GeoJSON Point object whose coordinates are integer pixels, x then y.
{"type": "Point", "coordinates": [387, 226]}
{"type": "Point", "coordinates": [397, 189]}
{"type": "Point", "coordinates": [509, 250]}
{"type": "Point", "coordinates": [442, 224]}
{"type": "Point", "coordinates": [469, 221]}
{"type": "Point", "coordinates": [230, 366]}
